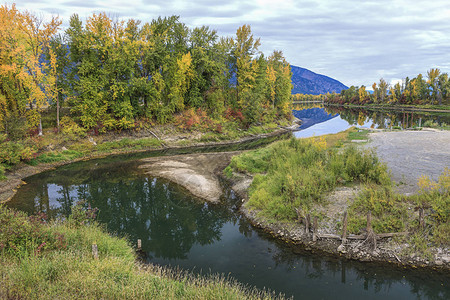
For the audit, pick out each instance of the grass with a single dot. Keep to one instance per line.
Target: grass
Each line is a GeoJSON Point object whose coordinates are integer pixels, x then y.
{"type": "Point", "coordinates": [389, 210]}
{"type": "Point", "coordinates": [40, 260]}
{"type": "Point", "coordinates": [431, 124]}
{"type": "Point", "coordinates": [127, 143]}
{"type": "Point", "coordinates": [58, 156]}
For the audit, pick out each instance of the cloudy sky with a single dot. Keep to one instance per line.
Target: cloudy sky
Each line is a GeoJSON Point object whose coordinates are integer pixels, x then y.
{"type": "Point", "coordinates": [354, 41]}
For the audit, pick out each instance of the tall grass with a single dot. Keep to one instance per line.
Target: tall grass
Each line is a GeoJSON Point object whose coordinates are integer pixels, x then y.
{"type": "Point", "coordinates": [53, 260]}
{"type": "Point", "coordinates": [294, 175]}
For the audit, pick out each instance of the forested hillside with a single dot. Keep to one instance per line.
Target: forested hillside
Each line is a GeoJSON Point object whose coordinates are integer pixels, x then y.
{"type": "Point", "coordinates": [305, 81]}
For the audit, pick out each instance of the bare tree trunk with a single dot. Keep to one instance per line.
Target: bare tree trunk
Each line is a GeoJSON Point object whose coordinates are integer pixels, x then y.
{"type": "Point", "coordinates": [40, 126]}
{"type": "Point", "coordinates": [371, 237]}
{"type": "Point", "coordinates": [57, 108]}
{"type": "Point", "coordinates": [315, 229]}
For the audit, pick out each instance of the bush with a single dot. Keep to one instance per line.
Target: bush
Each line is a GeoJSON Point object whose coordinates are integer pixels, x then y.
{"type": "Point", "coordinates": [13, 152]}
{"type": "Point", "coordinates": [21, 235]}
{"type": "Point", "coordinates": [71, 129]}
{"type": "Point", "coordinates": [196, 119]}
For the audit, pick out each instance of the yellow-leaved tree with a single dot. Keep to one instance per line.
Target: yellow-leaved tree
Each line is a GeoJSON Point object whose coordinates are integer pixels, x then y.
{"type": "Point", "coordinates": [27, 80]}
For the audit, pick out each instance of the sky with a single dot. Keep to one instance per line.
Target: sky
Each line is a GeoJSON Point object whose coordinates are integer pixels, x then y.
{"type": "Point", "coordinates": [354, 41]}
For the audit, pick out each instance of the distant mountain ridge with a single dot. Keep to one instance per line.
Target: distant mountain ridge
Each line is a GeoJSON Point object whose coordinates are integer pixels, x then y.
{"type": "Point", "coordinates": [308, 82]}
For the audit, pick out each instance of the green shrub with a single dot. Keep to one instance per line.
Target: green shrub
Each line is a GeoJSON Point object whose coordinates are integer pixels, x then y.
{"type": "Point", "coordinates": [13, 152]}
{"type": "Point", "coordinates": [21, 235]}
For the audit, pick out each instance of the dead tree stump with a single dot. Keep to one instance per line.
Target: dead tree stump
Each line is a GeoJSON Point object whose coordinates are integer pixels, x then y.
{"type": "Point", "coordinates": [314, 237]}
{"type": "Point", "coordinates": [307, 223]}
{"type": "Point", "coordinates": [371, 237]}
{"type": "Point", "coordinates": [95, 251]}
{"type": "Point", "coordinates": [344, 228]}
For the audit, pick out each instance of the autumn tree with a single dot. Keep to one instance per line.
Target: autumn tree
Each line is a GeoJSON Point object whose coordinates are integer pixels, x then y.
{"type": "Point", "coordinates": [433, 80]}
{"type": "Point", "coordinates": [383, 88]}
{"type": "Point", "coordinates": [245, 48]}
{"type": "Point", "coordinates": [27, 79]}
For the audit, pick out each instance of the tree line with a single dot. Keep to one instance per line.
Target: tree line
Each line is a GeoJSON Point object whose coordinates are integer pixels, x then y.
{"type": "Point", "coordinates": [433, 90]}
{"type": "Point", "coordinates": [111, 73]}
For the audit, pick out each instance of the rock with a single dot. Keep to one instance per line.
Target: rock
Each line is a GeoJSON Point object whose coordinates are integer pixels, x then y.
{"type": "Point", "coordinates": [92, 141]}
{"type": "Point", "coordinates": [341, 249]}
{"type": "Point", "coordinates": [439, 263]}
{"type": "Point", "coordinates": [63, 148]}
{"type": "Point", "coordinates": [446, 259]}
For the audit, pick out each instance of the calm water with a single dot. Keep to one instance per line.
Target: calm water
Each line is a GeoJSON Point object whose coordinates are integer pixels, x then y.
{"type": "Point", "coordinates": [177, 229]}
{"type": "Point", "coordinates": [318, 120]}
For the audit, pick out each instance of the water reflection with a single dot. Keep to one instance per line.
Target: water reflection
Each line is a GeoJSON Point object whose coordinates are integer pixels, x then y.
{"type": "Point", "coordinates": [318, 120]}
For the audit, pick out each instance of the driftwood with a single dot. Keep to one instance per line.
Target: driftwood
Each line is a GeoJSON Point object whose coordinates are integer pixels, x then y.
{"type": "Point", "coordinates": [360, 236]}
{"type": "Point", "coordinates": [154, 134]}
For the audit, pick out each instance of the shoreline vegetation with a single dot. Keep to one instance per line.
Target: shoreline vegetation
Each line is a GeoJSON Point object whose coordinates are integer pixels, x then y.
{"type": "Point", "coordinates": [80, 149]}
{"type": "Point", "coordinates": [48, 259]}
{"type": "Point", "coordinates": [306, 205]}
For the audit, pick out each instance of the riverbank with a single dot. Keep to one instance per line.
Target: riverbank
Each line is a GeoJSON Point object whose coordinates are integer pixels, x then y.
{"type": "Point", "coordinates": [401, 108]}
{"type": "Point", "coordinates": [401, 248]}
{"type": "Point", "coordinates": [168, 139]}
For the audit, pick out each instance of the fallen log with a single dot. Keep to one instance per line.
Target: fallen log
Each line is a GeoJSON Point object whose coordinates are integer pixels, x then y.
{"type": "Point", "coordinates": [360, 236]}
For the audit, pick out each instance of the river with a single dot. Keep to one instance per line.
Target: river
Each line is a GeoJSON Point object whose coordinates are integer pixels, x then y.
{"type": "Point", "coordinates": [179, 230]}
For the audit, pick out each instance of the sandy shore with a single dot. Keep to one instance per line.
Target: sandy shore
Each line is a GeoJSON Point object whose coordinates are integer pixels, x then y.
{"type": "Point", "coordinates": [195, 172]}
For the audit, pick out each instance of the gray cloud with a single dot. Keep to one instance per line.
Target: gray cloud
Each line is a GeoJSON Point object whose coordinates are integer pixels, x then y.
{"type": "Point", "coordinates": [354, 41]}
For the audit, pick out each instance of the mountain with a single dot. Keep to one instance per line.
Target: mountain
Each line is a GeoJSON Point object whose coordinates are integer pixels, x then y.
{"type": "Point", "coordinates": [308, 82]}
{"type": "Point", "coordinates": [312, 116]}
